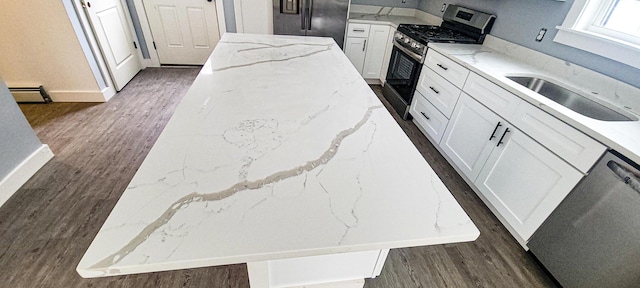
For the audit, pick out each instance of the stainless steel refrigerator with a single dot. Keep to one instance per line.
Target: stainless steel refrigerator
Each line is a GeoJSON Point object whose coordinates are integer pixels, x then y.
{"type": "Point", "coordinates": [326, 18]}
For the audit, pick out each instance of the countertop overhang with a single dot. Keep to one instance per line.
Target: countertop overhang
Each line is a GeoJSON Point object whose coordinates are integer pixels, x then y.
{"type": "Point", "coordinates": [278, 150]}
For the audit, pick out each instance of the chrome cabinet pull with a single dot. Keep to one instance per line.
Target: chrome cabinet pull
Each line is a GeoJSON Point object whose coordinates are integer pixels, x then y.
{"type": "Point", "coordinates": [443, 68]}
{"type": "Point", "coordinates": [358, 30]}
{"type": "Point", "coordinates": [425, 115]}
{"type": "Point", "coordinates": [364, 45]}
{"type": "Point", "coordinates": [493, 135]}
{"type": "Point", "coordinates": [501, 138]}
{"type": "Point", "coordinates": [434, 90]}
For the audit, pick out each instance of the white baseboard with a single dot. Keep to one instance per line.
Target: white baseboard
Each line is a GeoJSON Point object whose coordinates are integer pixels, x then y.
{"type": "Point", "coordinates": [80, 96]}
{"type": "Point", "coordinates": [108, 92]}
{"type": "Point", "coordinates": [373, 81]}
{"type": "Point", "coordinates": [21, 174]}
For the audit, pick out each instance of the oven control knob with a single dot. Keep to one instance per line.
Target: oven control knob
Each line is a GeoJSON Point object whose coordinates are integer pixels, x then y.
{"type": "Point", "coordinates": [398, 36]}
{"type": "Point", "coordinates": [407, 40]}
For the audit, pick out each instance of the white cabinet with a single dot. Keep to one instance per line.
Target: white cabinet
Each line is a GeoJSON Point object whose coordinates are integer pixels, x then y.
{"type": "Point", "coordinates": [366, 47]}
{"type": "Point", "coordinates": [440, 92]}
{"type": "Point", "coordinates": [452, 71]}
{"type": "Point", "coordinates": [573, 146]}
{"type": "Point", "coordinates": [524, 182]}
{"type": "Point", "coordinates": [376, 49]}
{"type": "Point", "coordinates": [427, 117]}
{"type": "Point", "coordinates": [472, 133]}
{"type": "Point", "coordinates": [491, 95]}
{"type": "Point", "coordinates": [355, 48]}
{"type": "Point", "coordinates": [520, 160]}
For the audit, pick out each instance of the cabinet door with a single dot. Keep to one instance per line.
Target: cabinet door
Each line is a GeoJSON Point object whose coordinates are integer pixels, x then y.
{"type": "Point", "coordinates": [468, 139]}
{"type": "Point", "coordinates": [376, 48]}
{"type": "Point", "coordinates": [355, 51]}
{"type": "Point", "coordinates": [524, 182]}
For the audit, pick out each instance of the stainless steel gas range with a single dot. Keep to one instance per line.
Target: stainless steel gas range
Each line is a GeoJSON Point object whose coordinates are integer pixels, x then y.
{"type": "Point", "coordinates": [460, 25]}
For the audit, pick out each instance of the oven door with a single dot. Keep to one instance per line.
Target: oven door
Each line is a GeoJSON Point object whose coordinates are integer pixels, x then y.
{"type": "Point", "coordinates": [402, 78]}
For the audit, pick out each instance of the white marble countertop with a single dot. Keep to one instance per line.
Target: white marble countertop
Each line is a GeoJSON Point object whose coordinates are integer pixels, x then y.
{"type": "Point", "coordinates": [493, 65]}
{"type": "Point", "coordinates": [393, 20]}
{"type": "Point", "coordinates": [278, 150]}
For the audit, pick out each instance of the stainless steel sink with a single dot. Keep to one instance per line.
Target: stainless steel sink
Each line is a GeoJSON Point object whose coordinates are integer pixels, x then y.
{"type": "Point", "coordinates": [572, 100]}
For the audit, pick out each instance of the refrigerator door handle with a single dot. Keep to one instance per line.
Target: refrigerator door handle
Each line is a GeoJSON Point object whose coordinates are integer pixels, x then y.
{"type": "Point", "coordinates": [310, 14]}
{"type": "Point", "coordinates": [303, 13]}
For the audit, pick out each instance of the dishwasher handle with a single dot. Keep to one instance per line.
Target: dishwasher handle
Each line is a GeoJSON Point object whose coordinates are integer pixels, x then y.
{"type": "Point", "coordinates": [625, 175]}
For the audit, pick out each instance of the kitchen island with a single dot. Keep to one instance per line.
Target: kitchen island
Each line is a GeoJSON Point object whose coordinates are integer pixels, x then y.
{"type": "Point", "coordinates": [279, 156]}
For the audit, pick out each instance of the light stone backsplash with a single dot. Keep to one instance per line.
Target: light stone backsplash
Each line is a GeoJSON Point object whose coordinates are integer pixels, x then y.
{"type": "Point", "coordinates": [395, 11]}
{"type": "Point", "coordinates": [382, 10]}
{"type": "Point", "coordinates": [604, 87]}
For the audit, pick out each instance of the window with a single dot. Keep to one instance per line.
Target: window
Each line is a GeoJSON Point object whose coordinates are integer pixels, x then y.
{"type": "Point", "coordinates": [610, 28]}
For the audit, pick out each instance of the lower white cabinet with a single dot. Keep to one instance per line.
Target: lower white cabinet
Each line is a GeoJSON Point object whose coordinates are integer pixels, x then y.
{"type": "Point", "coordinates": [520, 160]}
{"type": "Point", "coordinates": [431, 121]}
{"type": "Point", "coordinates": [472, 133]}
{"type": "Point", "coordinates": [355, 49]}
{"type": "Point", "coordinates": [524, 182]}
{"type": "Point", "coordinates": [376, 49]}
{"type": "Point", "coordinates": [368, 50]}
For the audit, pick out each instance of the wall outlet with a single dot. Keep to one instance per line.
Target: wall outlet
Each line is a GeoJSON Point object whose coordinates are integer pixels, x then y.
{"type": "Point", "coordinates": [444, 5]}
{"type": "Point", "coordinates": [541, 34]}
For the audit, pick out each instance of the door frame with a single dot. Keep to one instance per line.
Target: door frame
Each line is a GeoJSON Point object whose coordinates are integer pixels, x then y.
{"type": "Point", "coordinates": [148, 37]}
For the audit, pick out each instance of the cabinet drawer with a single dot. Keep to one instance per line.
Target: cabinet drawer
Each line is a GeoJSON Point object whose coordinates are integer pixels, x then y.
{"type": "Point", "coordinates": [442, 94]}
{"type": "Point", "coordinates": [573, 146]}
{"type": "Point", "coordinates": [452, 71]}
{"type": "Point", "coordinates": [428, 117]}
{"type": "Point", "coordinates": [358, 30]}
{"type": "Point", "coordinates": [491, 95]}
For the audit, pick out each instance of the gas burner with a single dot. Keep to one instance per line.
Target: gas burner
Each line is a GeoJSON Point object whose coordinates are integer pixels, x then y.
{"type": "Point", "coordinates": [430, 33]}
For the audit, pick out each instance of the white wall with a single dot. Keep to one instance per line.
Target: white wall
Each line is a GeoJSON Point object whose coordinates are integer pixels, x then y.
{"type": "Point", "coordinates": [40, 47]}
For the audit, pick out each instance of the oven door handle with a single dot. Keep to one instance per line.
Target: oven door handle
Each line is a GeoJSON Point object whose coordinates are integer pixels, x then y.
{"type": "Point", "coordinates": [413, 55]}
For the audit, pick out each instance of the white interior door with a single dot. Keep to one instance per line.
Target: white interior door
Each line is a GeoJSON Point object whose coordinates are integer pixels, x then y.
{"type": "Point", "coordinates": [184, 31]}
{"type": "Point", "coordinates": [112, 30]}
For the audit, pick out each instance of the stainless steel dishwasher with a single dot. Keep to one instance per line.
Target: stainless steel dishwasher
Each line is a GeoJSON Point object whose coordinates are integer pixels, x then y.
{"type": "Point", "coordinates": [593, 238]}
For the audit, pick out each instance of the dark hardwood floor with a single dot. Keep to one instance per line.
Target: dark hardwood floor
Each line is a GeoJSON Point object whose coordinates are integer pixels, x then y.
{"type": "Point", "coordinates": [47, 225]}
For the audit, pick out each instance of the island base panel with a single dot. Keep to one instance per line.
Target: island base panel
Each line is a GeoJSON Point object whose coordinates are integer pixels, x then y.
{"type": "Point", "coordinates": [343, 270]}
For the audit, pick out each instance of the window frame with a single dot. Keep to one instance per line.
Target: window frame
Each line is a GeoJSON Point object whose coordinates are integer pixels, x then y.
{"type": "Point", "coordinates": [577, 31]}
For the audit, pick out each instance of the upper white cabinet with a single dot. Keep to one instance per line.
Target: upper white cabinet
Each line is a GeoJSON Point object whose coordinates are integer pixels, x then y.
{"type": "Point", "coordinates": [366, 47]}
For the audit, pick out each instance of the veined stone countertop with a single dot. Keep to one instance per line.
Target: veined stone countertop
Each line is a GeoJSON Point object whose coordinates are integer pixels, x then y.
{"type": "Point", "coordinates": [496, 59]}
{"type": "Point", "coordinates": [278, 150]}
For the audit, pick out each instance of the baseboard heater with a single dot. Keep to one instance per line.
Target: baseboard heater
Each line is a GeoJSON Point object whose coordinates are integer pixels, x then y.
{"type": "Point", "coordinates": [30, 95]}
